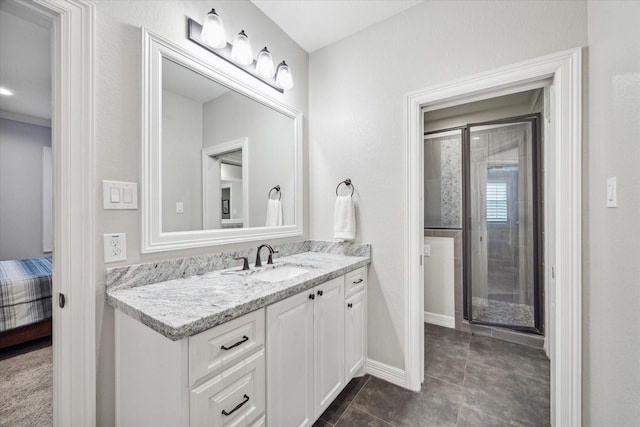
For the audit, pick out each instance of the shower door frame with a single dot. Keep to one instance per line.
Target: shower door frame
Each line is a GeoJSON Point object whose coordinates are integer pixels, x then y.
{"type": "Point", "coordinates": [538, 223]}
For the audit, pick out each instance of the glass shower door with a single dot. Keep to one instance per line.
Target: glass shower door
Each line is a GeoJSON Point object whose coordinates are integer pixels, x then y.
{"type": "Point", "coordinates": [502, 225]}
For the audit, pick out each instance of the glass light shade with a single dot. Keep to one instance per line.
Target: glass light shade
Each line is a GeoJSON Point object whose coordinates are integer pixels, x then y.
{"type": "Point", "coordinates": [241, 52]}
{"type": "Point", "coordinates": [213, 30]}
{"type": "Point", "coordinates": [264, 64]}
{"type": "Point", "coordinates": [283, 76]}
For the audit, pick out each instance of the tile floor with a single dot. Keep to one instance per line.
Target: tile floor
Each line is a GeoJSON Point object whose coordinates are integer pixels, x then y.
{"type": "Point", "coordinates": [470, 381]}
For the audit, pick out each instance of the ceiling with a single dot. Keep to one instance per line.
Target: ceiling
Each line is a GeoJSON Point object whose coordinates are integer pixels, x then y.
{"type": "Point", "coordinates": [314, 24]}
{"type": "Point", "coordinates": [25, 67]}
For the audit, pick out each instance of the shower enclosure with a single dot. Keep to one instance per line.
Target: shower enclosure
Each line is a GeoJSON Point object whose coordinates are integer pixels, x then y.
{"type": "Point", "coordinates": [483, 178]}
{"type": "Point", "coordinates": [501, 208]}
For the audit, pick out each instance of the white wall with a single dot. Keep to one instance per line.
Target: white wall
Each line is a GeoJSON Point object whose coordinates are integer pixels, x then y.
{"type": "Point", "coordinates": [439, 278]}
{"type": "Point", "coordinates": [117, 125]}
{"type": "Point", "coordinates": [181, 162]}
{"type": "Point", "coordinates": [356, 128]}
{"type": "Point", "coordinates": [21, 188]}
{"type": "Point", "coordinates": [611, 316]}
{"type": "Point", "coordinates": [271, 149]}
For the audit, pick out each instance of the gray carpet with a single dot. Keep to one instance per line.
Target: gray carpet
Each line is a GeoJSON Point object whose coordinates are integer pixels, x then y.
{"type": "Point", "coordinates": [26, 385]}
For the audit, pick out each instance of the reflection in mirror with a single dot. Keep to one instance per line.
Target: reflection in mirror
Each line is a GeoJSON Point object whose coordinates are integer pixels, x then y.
{"type": "Point", "coordinates": [221, 153]}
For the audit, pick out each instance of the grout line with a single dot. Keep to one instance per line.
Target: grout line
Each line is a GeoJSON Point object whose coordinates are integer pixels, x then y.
{"type": "Point", "coordinates": [443, 381]}
{"type": "Point", "coordinates": [354, 398]}
{"type": "Point", "coordinates": [371, 415]}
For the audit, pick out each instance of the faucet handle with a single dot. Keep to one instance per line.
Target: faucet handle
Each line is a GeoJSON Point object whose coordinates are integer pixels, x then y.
{"type": "Point", "coordinates": [270, 259]}
{"type": "Point", "coordinates": [245, 264]}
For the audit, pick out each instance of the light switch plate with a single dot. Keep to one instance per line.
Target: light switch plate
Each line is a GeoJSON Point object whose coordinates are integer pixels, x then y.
{"type": "Point", "coordinates": [427, 250]}
{"type": "Point", "coordinates": [115, 247]}
{"type": "Point", "coordinates": [126, 195]}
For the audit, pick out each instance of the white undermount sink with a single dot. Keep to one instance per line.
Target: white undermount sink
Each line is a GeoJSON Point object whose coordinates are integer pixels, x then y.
{"type": "Point", "coordinates": [278, 274]}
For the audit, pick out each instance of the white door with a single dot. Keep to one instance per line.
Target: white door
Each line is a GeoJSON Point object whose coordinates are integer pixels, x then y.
{"type": "Point", "coordinates": [290, 361]}
{"type": "Point", "coordinates": [329, 342]}
{"type": "Point", "coordinates": [355, 321]}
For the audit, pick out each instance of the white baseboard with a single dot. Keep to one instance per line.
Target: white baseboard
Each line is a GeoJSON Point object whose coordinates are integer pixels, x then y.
{"type": "Point", "coordinates": [440, 320]}
{"type": "Point", "coordinates": [386, 372]}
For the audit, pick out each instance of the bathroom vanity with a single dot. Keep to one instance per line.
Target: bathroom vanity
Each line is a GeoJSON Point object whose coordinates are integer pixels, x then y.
{"type": "Point", "coordinates": [270, 346]}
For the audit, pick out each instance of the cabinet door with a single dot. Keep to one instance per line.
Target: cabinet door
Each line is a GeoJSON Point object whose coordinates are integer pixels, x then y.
{"type": "Point", "coordinates": [290, 361]}
{"type": "Point", "coordinates": [355, 333]}
{"type": "Point", "coordinates": [329, 342]}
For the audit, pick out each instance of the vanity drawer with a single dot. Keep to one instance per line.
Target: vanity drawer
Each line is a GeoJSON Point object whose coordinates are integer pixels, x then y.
{"type": "Point", "coordinates": [222, 346]}
{"type": "Point", "coordinates": [355, 281]}
{"type": "Point", "coordinates": [234, 397]}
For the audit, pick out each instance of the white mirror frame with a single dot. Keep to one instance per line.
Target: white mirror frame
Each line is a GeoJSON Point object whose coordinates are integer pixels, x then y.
{"type": "Point", "coordinates": [154, 48]}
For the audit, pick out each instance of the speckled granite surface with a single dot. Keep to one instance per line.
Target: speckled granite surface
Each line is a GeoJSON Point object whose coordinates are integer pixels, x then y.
{"type": "Point", "coordinates": [191, 303]}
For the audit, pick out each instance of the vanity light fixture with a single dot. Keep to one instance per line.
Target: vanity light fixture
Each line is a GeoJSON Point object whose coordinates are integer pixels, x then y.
{"type": "Point", "coordinates": [211, 36]}
{"type": "Point", "coordinates": [213, 30]}
{"type": "Point", "coordinates": [241, 50]}
{"type": "Point", "coordinates": [264, 64]}
{"type": "Point", "coordinates": [283, 76]}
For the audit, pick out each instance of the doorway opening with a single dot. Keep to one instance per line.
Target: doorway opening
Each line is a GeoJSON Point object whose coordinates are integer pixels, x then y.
{"type": "Point", "coordinates": [561, 72]}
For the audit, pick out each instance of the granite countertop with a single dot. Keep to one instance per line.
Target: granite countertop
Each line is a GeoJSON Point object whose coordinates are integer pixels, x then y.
{"type": "Point", "coordinates": [184, 307]}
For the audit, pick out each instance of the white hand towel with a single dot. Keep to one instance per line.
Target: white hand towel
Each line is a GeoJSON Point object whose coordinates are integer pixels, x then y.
{"type": "Point", "coordinates": [274, 213]}
{"type": "Point", "coordinates": [344, 219]}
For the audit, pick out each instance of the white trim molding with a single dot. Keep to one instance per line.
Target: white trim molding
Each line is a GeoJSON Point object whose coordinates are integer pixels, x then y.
{"type": "Point", "coordinates": [207, 159]}
{"type": "Point", "coordinates": [562, 71]}
{"type": "Point", "coordinates": [74, 274]}
{"type": "Point", "coordinates": [440, 320]}
{"type": "Point", "coordinates": [386, 372]}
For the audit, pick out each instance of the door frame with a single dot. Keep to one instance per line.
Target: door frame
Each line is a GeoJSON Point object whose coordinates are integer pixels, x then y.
{"type": "Point", "coordinates": [208, 155]}
{"type": "Point", "coordinates": [563, 71]}
{"type": "Point", "coordinates": [74, 275]}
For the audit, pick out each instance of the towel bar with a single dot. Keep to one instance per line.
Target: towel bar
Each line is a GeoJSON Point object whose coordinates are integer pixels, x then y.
{"type": "Point", "coordinates": [348, 183]}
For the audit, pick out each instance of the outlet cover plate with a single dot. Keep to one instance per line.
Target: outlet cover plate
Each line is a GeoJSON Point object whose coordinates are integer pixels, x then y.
{"type": "Point", "coordinates": [115, 247]}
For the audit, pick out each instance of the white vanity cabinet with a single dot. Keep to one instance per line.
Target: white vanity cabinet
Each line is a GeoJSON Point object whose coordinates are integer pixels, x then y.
{"type": "Point", "coordinates": [215, 378]}
{"type": "Point", "coordinates": [355, 322]}
{"type": "Point", "coordinates": [280, 366]}
{"type": "Point", "coordinates": [316, 343]}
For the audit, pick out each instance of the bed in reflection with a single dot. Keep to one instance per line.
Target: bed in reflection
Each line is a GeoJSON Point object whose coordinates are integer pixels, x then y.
{"type": "Point", "coordinates": [25, 300]}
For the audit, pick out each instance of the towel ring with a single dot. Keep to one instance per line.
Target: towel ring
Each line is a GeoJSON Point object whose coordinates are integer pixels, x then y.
{"type": "Point", "coordinates": [348, 183]}
{"type": "Point", "coordinates": [277, 189]}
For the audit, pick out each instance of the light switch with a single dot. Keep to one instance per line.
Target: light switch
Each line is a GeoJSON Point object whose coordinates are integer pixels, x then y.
{"type": "Point", "coordinates": [179, 207]}
{"type": "Point", "coordinates": [612, 196]}
{"type": "Point", "coordinates": [115, 195]}
{"type": "Point", "coordinates": [427, 250]}
{"type": "Point", "coordinates": [128, 196]}
{"type": "Point", "coordinates": [119, 195]}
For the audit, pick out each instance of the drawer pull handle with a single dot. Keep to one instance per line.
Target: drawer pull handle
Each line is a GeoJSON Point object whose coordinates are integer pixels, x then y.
{"type": "Point", "coordinates": [350, 305]}
{"type": "Point", "coordinates": [244, 339]}
{"type": "Point", "coordinates": [246, 399]}
{"type": "Point", "coordinates": [358, 281]}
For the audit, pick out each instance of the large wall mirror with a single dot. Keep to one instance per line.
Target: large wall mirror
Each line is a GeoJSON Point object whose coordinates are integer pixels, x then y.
{"type": "Point", "coordinates": [214, 152]}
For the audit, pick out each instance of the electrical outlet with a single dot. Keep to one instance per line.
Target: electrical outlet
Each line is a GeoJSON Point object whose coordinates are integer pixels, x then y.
{"type": "Point", "coordinates": [115, 247]}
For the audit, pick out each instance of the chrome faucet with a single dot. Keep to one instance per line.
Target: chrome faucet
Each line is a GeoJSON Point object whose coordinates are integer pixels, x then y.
{"type": "Point", "coordinates": [271, 252]}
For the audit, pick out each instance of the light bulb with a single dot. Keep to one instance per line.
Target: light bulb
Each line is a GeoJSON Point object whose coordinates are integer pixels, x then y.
{"type": "Point", "coordinates": [264, 64]}
{"type": "Point", "coordinates": [283, 76]}
{"type": "Point", "coordinates": [241, 52]}
{"type": "Point", "coordinates": [6, 92]}
{"type": "Point", "coordinates": [213, 30]}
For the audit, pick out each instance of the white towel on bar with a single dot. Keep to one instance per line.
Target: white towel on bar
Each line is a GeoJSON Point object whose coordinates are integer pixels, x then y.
{"type": "Point", "coordinates": [344, 219]}
{"type": "Point", "coordinates": [274, 213]}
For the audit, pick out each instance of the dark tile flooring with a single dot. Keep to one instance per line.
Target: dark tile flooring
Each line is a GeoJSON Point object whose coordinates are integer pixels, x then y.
{"type": "Point", "coordinates": [470, 381]}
